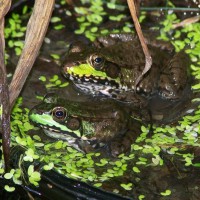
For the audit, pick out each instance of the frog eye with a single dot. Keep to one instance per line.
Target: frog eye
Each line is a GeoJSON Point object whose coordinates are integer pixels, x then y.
{"type": "Point", "coordinates": [97, 61]}
{"type": "Point", "coordinates": [73, 123]}
{"type": "Point", "coordinates": [59, 113]}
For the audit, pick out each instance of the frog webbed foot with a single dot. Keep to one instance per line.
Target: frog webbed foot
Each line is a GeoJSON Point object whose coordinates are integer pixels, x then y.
{"type": "Point", "coordinates": [119, 145]}
{"type": "Point", "coordinates": [122, 144]}
{"type": "Point", "coordinates": [149, 83]}
{"type": "Point", "coordinates": [167, 89]}
{"type": "Point", "coordinates": [147, 86]}
{"type": "Point", "coordinates": [174, 77]}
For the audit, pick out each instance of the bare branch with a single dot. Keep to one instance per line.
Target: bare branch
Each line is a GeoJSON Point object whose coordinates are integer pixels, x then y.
{"type": "Point", "coordinates": [187, 21]}
{"type": "Point", "coordinates": [148, 59]}
{"type": "Point", "coordinates": [4, 93]}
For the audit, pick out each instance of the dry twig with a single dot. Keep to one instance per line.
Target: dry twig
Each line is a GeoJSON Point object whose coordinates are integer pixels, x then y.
{"type": "Point", "coordinates": [148, 59]}
{"type": "Point", "coordinates": [4, 93]}
{"type": "Point", "coordinates": [187, 21]}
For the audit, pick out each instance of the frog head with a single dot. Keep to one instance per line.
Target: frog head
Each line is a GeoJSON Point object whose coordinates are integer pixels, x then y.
{"type": "Point", "coordinates": [94, 71]}
{"type": "Point", "coordinates": [58, 121]}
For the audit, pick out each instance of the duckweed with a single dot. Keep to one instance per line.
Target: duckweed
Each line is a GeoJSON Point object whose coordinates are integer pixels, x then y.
{"type": "Point", "coordinates": [9, 188]}
{"type": "Point", "coordinates": [53, 82]}
{"type": "Point", "coordinates": [98, 184]}
{"type": "Point", "coordinates": [91, 15]}
{"type": "Point", "coordinates": [9, 175]}
{"type": "Point", "coordinates": [57, 23]}
{"type": "Point", "coordinates": [14, 30]}
{"type": "Point", "coordinates": [55, 19]}
{"type": "Point", "coordinates": [59, 27]}
{"type": "Point", "coordinates": [34, 176]}
{"type": "Point", "coordinates": [136, 170]}
{"type": "Point", "coordinates": [141, 197]}
{"type": "Point", "coordinates": [55, 56]}
{"type": "Point", "coordinates": [126, 186]}
{"type": "Point", "coordinates": [166, 193]}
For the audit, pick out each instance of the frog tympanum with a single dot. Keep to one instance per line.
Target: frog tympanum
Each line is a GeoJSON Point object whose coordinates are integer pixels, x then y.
{"type": "Point", "coordinates": [111, 65]}
{"type": "Point", "coordinates": [86, 125]}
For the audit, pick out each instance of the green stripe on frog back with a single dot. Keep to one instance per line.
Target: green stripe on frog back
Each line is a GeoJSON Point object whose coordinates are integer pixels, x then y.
{"type": "Point", "coordinates": [47, 120]}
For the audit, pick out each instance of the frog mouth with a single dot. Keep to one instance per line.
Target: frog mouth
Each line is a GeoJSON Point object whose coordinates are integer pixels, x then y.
{"type": "Point", "coordinates": [54, 132]}
{"type": "Point", "coordinates": [72, 140]}
{"type": "Point", "coordinates": [46, 122]}
{"type": "Point", "coordinates": [97, 86]}
{"type": "Point", "coordinates": [94, 80]}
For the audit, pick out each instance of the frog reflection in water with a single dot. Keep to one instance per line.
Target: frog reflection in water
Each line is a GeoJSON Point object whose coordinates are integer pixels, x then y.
{"type": "Point", "coordinates": [86, 125]}
{"type": "Point", "coordinates": [112, 64]}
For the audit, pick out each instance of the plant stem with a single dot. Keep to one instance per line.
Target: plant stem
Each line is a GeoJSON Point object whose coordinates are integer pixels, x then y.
{"type": "Point", "coordinates": [148, 59]}
{"type": "Point", "coordinates": [4, 92]}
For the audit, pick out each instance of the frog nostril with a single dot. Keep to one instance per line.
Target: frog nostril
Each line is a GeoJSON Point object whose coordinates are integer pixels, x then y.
{"type": "Point", "coordinates": [68, 64]}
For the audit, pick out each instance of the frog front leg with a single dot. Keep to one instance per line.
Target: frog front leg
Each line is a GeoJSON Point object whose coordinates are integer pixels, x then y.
{"type": "Point", "coordinates": [149, 82]}
{"type": "Point", "coordinates": [122, 144]}
{"type": "Point", "coordinates": [174, 76]}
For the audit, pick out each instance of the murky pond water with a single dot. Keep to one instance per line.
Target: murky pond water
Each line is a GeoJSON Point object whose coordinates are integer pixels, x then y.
{"type": "Point", "coordinates": [164, 160]}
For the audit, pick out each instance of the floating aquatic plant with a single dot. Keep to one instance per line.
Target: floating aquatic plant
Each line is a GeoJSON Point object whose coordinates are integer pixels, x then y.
{"type": "Point", "coordinates": [53, 82]}
{"type": "Point", "coordinates": [166, 193]}
{"type": "Point", "coordinates": [91, 16]}
{"type": "Point", "coordinates": [15, 30]}
{"type": "Point", "coordinates": [57, 23]}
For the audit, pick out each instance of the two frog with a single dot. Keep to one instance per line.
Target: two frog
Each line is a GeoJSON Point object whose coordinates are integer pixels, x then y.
{"type": "Point", "coordinates": [109, 68]}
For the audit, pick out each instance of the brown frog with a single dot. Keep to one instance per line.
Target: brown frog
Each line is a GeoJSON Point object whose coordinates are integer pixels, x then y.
{"type": "Point", "coordinates": [87, 125]}
{"type": "Point", "coordinates": [111, 65]}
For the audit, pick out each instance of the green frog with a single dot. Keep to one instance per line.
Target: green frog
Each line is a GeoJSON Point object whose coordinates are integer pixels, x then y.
{"type": "Point", "coordinates": [86, 125]}
{"type": "Point", "coordinates": [110, 66]}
